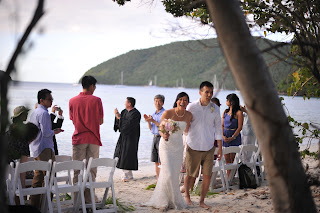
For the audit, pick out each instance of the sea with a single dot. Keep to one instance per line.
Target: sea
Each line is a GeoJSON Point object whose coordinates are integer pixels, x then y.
{"type": "Point", "coordinates": [114, 96]}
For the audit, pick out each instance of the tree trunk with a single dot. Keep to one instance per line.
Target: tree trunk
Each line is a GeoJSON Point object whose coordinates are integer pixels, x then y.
{"type": "Point", "coordinates": [286, 177]}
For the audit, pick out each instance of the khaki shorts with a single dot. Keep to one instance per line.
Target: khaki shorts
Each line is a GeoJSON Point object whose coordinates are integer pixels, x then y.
{"type": "Point", "coordinates": [196, 158]}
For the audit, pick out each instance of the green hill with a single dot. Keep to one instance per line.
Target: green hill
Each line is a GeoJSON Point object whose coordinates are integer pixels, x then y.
{"type": "Point", "coordinates": [193, 61]}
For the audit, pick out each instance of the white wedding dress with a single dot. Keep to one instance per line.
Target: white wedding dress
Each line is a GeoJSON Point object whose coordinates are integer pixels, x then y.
{"type": "Point", "coordinates": [167, 192]}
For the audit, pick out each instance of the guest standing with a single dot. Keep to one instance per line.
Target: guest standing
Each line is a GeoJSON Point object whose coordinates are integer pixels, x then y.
{"type": "Point", "coordinates": [86, 113]}
{"type": "Point", "coordinates": [127, 146]}
{"type": "Point", "coordinates": [153, 123]}
{"type": "Point", "coordinates": [42, 147]}
{"type": "Point", "coordinates": [247, 135]}
{"type": "Point", "coordinates": [232, 121]}
{"type": "Point", "coordinates": [57, 124]}
{"type": "Point", "coordinates": [205, 128]}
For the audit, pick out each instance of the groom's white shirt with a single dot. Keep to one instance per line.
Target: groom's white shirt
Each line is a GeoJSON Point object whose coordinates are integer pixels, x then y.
{"type": "Point", "coordinates": [205, 126]}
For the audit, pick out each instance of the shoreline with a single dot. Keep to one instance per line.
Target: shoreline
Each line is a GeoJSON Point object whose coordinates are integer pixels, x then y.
{"type": "Point", "coordinates": [133, 193]}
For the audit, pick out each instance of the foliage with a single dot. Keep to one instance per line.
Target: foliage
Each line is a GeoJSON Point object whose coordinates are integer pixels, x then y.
{"type": "Point", "coordinates": [304, 84]}
{"type": "Point", "coordinates": [197, 191]}
{"type": "Point", "coordinates": [307, 133]}
{"type": "Point", "coordinates": [121, 206]}
{"type": "Point", "coordinates": [298, 17]}
{"type": "Point", "coordinates": [192, 61]}
{"type": "Point", "coordinates": [151, 186]}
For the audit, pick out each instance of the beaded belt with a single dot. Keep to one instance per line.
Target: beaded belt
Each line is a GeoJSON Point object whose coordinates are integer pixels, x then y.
{"type": "Point", "coordinates": [230, 129]}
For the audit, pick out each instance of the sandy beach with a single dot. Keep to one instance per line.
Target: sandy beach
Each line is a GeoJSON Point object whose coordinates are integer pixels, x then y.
{"type": "Point", "coordinates": [133, 193]}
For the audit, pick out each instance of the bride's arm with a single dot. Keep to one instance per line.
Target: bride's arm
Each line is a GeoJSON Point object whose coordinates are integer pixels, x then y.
{"type": "Point", "coordinates": [165, 115]}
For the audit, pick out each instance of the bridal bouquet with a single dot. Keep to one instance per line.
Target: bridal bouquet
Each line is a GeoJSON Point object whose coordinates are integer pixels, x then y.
{"type": "Point", "coordinates": [168, 126]}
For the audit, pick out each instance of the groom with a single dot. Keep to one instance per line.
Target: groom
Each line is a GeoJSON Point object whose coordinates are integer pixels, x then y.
{"type": "Point", "coordinates": [205, 128]}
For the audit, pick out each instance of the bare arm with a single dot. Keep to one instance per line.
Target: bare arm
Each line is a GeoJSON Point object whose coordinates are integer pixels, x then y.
{"type": "Point", "coordinates": [240, 123]}
{"type": "Point", "coordinates": [165, 115]}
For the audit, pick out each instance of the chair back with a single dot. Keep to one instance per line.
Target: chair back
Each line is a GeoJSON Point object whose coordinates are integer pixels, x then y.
{"type": "Point", "coordinates": [107, 163]}
{"type": "Point", "coordinates": [247, 153]}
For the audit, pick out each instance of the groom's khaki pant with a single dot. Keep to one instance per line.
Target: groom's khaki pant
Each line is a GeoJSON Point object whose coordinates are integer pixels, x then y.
{"type": "Point", "coordinates": [196, 158]}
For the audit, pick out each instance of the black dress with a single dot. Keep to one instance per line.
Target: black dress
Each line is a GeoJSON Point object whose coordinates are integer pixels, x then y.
{"type": "Point", "coordinates": [127, 146]}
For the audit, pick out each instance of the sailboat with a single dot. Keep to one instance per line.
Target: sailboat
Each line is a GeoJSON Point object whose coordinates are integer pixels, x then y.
{"type": "Point", "coordinates": [215, 82]}
{"type": "Point", "coordinates": [181, 84]}
{"type": "Point", "coordinates": [121, 81]}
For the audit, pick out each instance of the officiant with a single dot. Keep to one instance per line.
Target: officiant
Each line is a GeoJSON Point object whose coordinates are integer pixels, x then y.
{"type": "Point", "coordinates": [127, 146]}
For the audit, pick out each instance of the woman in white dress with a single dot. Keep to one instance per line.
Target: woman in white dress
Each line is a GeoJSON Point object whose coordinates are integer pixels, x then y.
{"type": "Point", "coordinates": [167, 193]}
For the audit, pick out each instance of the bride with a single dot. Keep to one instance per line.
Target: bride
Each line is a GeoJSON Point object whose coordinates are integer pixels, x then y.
{"type": "Point", "coordinates": [167, 192]}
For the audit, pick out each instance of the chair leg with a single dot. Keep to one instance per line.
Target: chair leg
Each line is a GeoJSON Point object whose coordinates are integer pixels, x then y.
{"type": "Point", "coordinates": [48, 196]}
{"type": "Point", "coordinates": [114, 199]}
{"type": "Point", "coordinates": [21, 199]}
{"type": "Point", "coordinates": [94, 208]}
{"type": "Point", "coordinates": [84, 210]}
{"type": "Point", "coordinates": [256, 175]}
{"type": "Point", "coordinates": [76, 202]}
{"type": "Point", "coordinates": [213, 180]}
{"type": "Point", "coordinates": [226, 180]}
{"type": "Point", "coordinates": [222, 180]}
{"type": "Point", "coordinates": [58, 201]}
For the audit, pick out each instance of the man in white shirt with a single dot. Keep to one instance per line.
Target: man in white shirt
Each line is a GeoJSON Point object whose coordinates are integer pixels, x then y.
{"type": "Point", "coordinates": [205, 128]}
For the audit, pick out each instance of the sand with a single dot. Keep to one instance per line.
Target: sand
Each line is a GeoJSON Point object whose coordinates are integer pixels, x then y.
{"type": "Point", "coordinates": [236, 200]}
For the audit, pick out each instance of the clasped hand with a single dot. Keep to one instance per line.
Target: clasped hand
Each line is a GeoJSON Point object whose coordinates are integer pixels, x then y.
{"type": "Point", "coordinates": [226, 139]}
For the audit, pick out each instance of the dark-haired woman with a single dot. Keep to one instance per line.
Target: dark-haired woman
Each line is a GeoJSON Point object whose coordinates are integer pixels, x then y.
{"type": "Point", "coordinates": [232, 121]}
{"type": "Point", "coordinates": [167, 193]}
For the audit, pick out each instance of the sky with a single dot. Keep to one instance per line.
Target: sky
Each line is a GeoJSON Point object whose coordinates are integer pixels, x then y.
{"type": "Point", "coordinates": [76, 35]}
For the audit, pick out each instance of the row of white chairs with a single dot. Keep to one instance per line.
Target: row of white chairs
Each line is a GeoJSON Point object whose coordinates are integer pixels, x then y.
{"type": "Point", "coordinates": [59, 185]}
{"type": "Point", "coordinates": [220, 167]}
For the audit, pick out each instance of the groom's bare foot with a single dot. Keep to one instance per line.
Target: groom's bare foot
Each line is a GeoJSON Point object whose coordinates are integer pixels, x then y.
{"type": "Point", "coordinates": [203, 205]}
{"type": "Point", "coordinates": [188, 201]}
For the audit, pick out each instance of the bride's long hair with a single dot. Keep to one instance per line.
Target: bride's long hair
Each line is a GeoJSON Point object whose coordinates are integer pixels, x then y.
{"type": "Point", "coordinates": [180, 95]}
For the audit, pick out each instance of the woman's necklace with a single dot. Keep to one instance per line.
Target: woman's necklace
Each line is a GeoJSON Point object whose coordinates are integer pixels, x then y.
{"type": "Point", "coordinates": [184, 112]}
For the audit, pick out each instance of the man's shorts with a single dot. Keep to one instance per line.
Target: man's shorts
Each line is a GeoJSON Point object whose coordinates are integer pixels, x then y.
{"type": "Point", "coordinates": [196, 158]}
{"type": "Point", "coordinates": [155, 149]}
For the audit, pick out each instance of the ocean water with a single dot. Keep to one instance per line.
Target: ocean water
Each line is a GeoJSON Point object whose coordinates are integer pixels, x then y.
{"type": "Point", "coordinates": [25, 93]}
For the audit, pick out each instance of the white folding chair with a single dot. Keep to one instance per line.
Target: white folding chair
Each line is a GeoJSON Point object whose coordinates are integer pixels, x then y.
{"type": "Point", "coordinates": [9, 183]}
{"type": "Point", "coordinates": [217, 170]}
{"type": "Point", "coordinates": [88, 182]}
{"type": "Point", "coordinates": [58, 189]}
{"type": "Point", "coordinates": [233, 167]}
{"type": "Point", "coordinates": [44, 190]}
{"type": "Point", "coordinates": [250, 162]}
{"type": "Point", "coordinates": [63, 176]}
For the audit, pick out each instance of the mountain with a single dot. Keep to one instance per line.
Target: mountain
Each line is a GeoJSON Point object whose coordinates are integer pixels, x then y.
{"type": "Point", "coordinates": [193, 61]}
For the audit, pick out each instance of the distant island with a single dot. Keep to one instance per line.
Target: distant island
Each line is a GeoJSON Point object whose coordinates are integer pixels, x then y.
{"type": "Point", "coordinates": [184, 64]}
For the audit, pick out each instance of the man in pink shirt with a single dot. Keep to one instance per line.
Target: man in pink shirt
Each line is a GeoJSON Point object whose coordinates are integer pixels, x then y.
{"type": "Point", "coordinates": [86, 113]}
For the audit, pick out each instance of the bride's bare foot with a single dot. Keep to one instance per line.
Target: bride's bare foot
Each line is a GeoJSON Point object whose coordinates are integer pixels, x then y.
{"type": "Point", "coordinates": [188, 201]}
{"type": "Point", "coordinates": [203, 205]}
